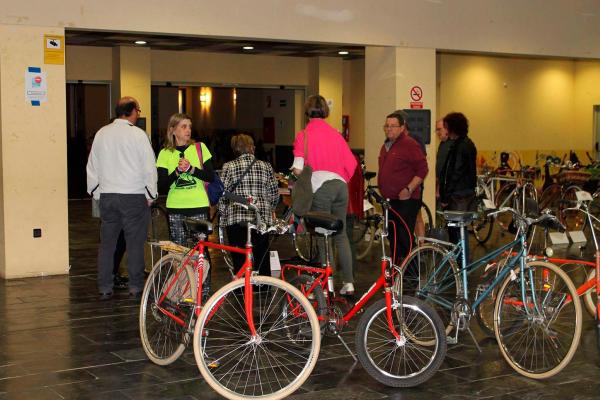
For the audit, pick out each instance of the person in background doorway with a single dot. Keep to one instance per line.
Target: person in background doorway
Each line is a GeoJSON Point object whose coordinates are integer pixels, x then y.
{"type": "Point", "coordinates": [182, 169]}
{"type": "Point", "coordinates": [248, 177]}
{"type": "Point", "coordinates": [333, 165]}
{"type": "Point", "coordinates": [442, 153]}
{"type": "Point", "coordinates": [402, 169]}
{"type": "Point", "coordinates": [121, 174]}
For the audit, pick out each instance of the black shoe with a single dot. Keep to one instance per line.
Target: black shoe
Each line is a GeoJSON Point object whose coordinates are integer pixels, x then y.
{"type": "Point", "coordinates": [121, 282]}
{"type": "Point", "coordinates": [106, 296]}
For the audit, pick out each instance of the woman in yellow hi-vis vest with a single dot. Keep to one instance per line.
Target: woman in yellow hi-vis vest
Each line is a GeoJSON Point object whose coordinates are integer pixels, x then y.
{"type": "Point", "coordinates": [181, 174]}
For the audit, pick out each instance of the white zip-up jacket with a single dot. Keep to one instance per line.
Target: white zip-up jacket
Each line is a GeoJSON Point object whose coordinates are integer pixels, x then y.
{"type": "Point", "coordinates": [121, 161]}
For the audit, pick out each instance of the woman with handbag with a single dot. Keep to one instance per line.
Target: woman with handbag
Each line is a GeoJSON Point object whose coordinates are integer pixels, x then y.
{"type": "Point", "coordinates": [183, 168]}
{"type": "Point", "coordinates": [248, 177]}
{"type": "Point", "coordinates": [324, 150]}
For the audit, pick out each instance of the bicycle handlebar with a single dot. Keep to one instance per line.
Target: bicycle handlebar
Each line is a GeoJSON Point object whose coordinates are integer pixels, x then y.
{"type": "Point", "coordinates": [378, 198]}
{"type": "Point", "coordinates": [545, 219]}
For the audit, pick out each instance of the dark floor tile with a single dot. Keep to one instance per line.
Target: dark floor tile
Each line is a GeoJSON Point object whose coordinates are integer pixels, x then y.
{"type": "Point", "coordinates": [37, 394]}
{"type": "Point", "coordinates": [24, 382]}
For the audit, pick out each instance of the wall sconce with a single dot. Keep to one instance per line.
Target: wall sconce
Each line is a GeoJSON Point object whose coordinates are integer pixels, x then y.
{"type": "Point", "coordinates": [234, 96]}
{"type": "Point", "coordinates": [205, 97]}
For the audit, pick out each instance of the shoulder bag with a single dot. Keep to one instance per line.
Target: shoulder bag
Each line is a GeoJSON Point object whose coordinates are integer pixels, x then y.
{"type": "Point", "coordinates": [214, 189]}
{"type": "Point", "coordinates": [302, 194]}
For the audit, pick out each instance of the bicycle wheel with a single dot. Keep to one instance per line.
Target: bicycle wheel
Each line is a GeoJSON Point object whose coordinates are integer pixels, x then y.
{"type": "Point", "coordinates": [316, 297]}
{"type": "Point", "coordinates": [365, 245]}
{"type": "Point", "coordinates": [482, 227]}
{"type": "Point", "coordinates": [169, 293]}
{"type": "Point", "coordinates": [414, 358]}
{"type": "Point", "coordinates": [574, 220]}
{"type": "Point", "coordinates": [271, 365]}
{"type": "Point", "coordinates": [538, 334]}
{"type": "Point", "coordinates": [589, 296]}
{"type": "Point", "coordinates": [550, 197]}
{"type": "Point", "coordinates": [222, 232]}
{"type": "Point", "coordinates": [505, 197]}
{"type": "Point", "coordinates": [305, 243]}
{"type": "Point", "coordinates": [159, 224]}
{"type": "Point", "coordinates": [431, 273]}
{"type": "Point", "coordinates": [427, 218]}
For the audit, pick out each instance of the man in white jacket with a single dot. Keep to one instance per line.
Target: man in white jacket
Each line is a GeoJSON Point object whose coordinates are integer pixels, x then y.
{"type": "Point", "coordinates": [121, 173]}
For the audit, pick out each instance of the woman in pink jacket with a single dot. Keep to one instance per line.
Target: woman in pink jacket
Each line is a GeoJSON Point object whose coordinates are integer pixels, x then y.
{"type": "Point", "coordinates": [333, 165]}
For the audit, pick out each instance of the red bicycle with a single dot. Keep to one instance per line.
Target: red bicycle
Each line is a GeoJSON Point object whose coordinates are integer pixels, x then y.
{"type": "Point", "coordinates": [256, 338]}
{"type": "Point", "coordinates": [400, 340]}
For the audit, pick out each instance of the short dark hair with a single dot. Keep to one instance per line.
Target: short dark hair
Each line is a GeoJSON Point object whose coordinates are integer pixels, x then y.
{"type": "Point", "coordinates": [457, 124]}
{"type": "Point", "coordinates": [398, 116]}
{"type": "Point", "coordinates": [316, 107]}
{"type": "Point", "coordinates": [125, 109]}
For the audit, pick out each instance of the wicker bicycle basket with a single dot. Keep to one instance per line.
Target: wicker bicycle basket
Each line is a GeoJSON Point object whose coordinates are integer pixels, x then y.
{"type": "Point", "coordinates": [573, 177]}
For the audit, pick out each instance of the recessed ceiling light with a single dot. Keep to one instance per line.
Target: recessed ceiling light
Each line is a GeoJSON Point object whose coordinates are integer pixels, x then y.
{"type": "Point", "coordinates": [248, 47]}
{"type": "Point", "coordinates": [342, 53]}
{"type": "Point", "coordinates": [140, 42]}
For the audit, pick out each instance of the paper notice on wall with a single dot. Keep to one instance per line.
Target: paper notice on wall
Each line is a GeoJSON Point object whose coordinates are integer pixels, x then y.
{"type": "Point", "coordinates": [36, 87]}
{"type": "Point", "coordinates": [275, 264]}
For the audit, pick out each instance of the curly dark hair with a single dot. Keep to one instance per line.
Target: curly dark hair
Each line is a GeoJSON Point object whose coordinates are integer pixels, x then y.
{"type": "Point", "coordinates": [456, 123]}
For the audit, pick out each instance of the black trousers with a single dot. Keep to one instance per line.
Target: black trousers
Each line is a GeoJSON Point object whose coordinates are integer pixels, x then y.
{"type": "Point", "coordinates": [399, 237]}
{"type": "Point", "coordinates": [460, 203]}
{"type": "Point", "coordinates": [237, 235]}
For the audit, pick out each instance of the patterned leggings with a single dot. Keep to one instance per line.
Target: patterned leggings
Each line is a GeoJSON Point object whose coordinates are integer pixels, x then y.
{"type": "Point", "coordinates": [180, 235]}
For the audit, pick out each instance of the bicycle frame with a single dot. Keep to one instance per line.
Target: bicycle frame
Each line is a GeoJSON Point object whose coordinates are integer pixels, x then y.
{"type": "Point", "coordinates": [198, 251]}
{"type": "Point", "coordinates": [323, 278]}
{"type": "Point", "coordinates": [465, 269]}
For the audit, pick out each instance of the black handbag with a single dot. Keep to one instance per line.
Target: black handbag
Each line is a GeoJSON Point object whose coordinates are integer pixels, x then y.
{"type": "Point", "coordinates": [302, 194]}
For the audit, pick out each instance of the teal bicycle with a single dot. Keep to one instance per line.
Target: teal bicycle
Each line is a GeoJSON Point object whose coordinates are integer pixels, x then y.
{"type": "Point", "coordinates": [537, 318]}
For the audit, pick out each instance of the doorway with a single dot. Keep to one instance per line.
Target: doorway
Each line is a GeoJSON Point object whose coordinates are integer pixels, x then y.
{"type": "Point", "coordinates": [88, 109]}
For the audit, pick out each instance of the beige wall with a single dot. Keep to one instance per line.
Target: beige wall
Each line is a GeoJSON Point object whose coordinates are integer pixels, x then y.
{"type": "Point", "coordinates": [554, 27]}
{"type": "Point", "coordinates": [131, 73]}
{"type": "Point", "coordinates": [353, 101]}
{"type": "Point", "coordinates": [219, 68]}
{"type": "Point", "coordinates": [390, 73]}
{"type": "Point", "coordinates": [35, 136]}
{"type": "Point", "coordinates": [331, 74]}
{"type": "Point", "coordinates": [522, 104]}
{"type": "Point", "coordinates": [88, 63]}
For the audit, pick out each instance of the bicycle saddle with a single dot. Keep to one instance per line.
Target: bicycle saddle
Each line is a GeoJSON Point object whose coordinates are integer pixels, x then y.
{"type": "Point", "coordinates": [196, 226]}
{"type": "Point", "coordinates": [460, 216]}
{"type": "Point", "coordinates": [370, 175]}
{"type": "Point", "coordinates": [318, 219]}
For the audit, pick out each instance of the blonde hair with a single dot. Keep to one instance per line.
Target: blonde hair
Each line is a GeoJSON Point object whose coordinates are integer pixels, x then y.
{"type": "Point", "coordinates": [242, 144]}
{"type": "Point", "coordinates": [175, 119]}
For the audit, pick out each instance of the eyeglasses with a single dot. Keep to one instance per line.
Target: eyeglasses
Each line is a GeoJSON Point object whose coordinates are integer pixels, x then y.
{"type": "Point", "coordinates": [391, 126]}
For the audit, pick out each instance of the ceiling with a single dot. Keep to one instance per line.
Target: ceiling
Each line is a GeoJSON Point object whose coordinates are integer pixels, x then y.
{"type": "Point", "coordinates": [213, 45]}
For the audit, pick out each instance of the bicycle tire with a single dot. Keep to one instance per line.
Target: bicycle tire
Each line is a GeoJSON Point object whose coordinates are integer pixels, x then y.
{"type": "Point", "coordinates": [404, 364]}
{"type": "Point", "coordinates": [483, 226]}
{"type": "Point", "coordinates": [422, 278]}
{"type": "Point", "coordinates": [504, 220]}
{"type": "Point", "coordinates": [552, 286]}
{"type": "Point", "coordinates": [427, 218]}
{"type": "Point", "coordinates": [219, 353]}
{"type": "Point", "coordinates": [572, 219]}
{"type": "Point", "coordinates": [364, 247]}
{"type": "Point", "coordinates": [222, 234]}
{"type": "Point", "coordinates": [485, 314]}
{"type": "Point", "coordinates": [164, 340]}
{"type": "Point", "coordinates": [589, 297]}
{"type": "Point", "coordinates": [305, 243]}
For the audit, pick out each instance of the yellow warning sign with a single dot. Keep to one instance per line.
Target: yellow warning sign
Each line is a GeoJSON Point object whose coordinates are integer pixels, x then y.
{"type": "Point", "coordinates": [54, 49]}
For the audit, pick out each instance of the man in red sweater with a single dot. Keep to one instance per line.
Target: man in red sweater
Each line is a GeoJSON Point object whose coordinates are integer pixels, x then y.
{"type": "Point", "coordinates": [402, 169]}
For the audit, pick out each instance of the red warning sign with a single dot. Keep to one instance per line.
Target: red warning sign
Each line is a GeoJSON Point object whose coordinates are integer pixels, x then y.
{"type": "Point", "coordinates": [416, 93]}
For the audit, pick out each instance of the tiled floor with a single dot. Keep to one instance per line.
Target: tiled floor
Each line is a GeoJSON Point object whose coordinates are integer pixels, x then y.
{"type": "Point", "coordinates": [57, 341]}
